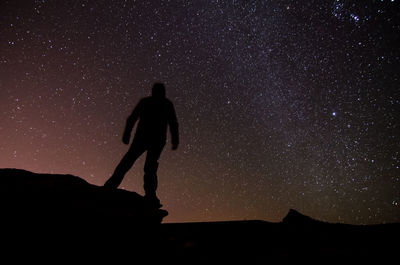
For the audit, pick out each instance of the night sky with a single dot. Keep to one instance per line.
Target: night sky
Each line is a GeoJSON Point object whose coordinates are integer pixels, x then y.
{"type": "Point", "coordinates": [281, 104]}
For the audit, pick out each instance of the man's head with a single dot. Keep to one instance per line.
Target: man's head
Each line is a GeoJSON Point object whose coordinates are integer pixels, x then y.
{"type": "Point", "coordinates": [158, 90]}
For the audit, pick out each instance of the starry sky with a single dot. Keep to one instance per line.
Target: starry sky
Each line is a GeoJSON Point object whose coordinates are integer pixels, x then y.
{"type": "Point", "coordinates": [281, 104]}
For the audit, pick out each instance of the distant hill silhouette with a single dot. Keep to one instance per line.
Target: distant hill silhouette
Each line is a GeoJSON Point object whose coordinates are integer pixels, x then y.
{"type": "Point", "coordinates": [294, 217]}
{"type": "Point", "coordinates": [48, 216]}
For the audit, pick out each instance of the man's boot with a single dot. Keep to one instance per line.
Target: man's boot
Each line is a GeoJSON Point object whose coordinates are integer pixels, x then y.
{"type": "Point", "coordinates": [150, 184]}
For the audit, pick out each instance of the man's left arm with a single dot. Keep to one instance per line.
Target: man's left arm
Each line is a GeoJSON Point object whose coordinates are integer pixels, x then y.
{"type": "Point", "coordinates": [174, 127]}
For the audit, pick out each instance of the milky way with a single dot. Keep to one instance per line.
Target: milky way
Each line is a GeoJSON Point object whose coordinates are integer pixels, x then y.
{"type": "Point", "coordinates": [281, 104]}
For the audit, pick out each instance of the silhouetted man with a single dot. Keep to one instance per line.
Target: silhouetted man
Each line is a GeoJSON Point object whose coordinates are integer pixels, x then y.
{"type": "Point", "coordinates": [155, 113]}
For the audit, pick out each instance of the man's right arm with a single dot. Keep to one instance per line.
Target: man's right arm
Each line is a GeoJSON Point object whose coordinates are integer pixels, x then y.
{"type": "Point", "coordinates": [130, 122]}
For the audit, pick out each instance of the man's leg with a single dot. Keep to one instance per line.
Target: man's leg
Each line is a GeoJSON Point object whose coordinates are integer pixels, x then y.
{"type": "Point", "coordinates": [136, 150]}
{"type": "Point", "coordinates": [150, 171]}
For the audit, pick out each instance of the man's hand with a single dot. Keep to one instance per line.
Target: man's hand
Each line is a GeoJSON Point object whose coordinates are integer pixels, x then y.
{"type": "Point", "coordinates": [126, 138]}
{"type": "Point", "coordinates": [174, 146]}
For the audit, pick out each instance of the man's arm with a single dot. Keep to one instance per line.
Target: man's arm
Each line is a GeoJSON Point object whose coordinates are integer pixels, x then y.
{"type": "Point", "coordinates": [130, 122]}
{"type": "Point", "coordinates": [173, 126]}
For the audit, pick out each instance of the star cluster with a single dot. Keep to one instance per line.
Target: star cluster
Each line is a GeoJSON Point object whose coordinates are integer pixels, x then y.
{"type": "Point", "coordinates": [281, 104]}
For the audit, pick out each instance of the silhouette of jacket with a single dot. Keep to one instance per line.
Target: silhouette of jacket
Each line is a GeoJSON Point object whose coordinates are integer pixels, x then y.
{"type": "Point", "coordinates": [155, 113]}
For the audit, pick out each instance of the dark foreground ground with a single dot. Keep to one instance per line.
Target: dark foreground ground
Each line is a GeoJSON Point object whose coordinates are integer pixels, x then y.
{"type": "Point", "coordinates": [287, 242]}
{"type": "Point", "coordinates": [63, 219]}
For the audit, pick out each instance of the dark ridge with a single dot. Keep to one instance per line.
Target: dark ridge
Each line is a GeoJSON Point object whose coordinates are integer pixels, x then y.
{"type": "Point", "coordinates": [51, 217]}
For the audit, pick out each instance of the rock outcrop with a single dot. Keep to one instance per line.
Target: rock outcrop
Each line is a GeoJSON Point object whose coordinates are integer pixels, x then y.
{"type": "Point", "coordinates": [65, 198]}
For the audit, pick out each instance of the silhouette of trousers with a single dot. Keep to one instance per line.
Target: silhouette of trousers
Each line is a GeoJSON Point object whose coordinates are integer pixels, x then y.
{"type": "Point", "coordinates": [150, 167]}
